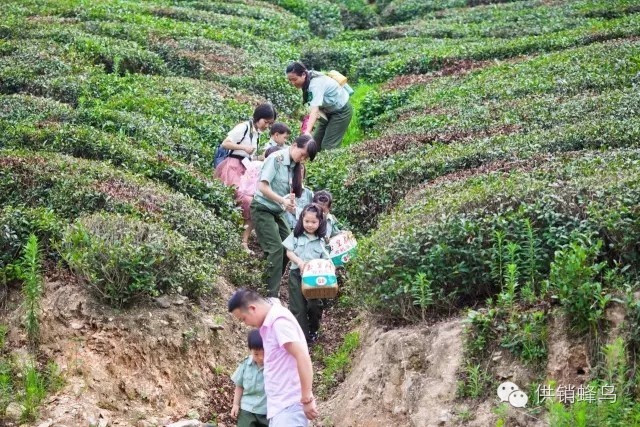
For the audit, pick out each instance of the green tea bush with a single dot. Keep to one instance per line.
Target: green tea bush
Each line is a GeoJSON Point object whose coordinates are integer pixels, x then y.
{"type": "Point", "coordinates": [404, 10]}
{"type": "Point", "coordinates": [124, 259]}
{"type": "Point", "coordinates": [452, 242]}
{"type": "Point", "coordinates": [526, 335]}
{"type": "Point", "coordinates": [262, 11]}
{"type": "Point", "coordinates": [271, 84]}
{"type": "Point", "coordinates": [297, 7]}
{"type": "Point", "coordinates": [20, 222]}
{"type": "Point", "coordinates": [501, 20]}
{"type": "Point", "coordinates": [181, 102]}
{"type": "Point", "coordinates": [90, 143]}
{"type": "Point", "coordinates": [377, 103]}
{"type": "Point", "coordinates": [21, 71]}
{"type": "Point", "coordinates": [326, 58]}
{"type": "Point", "coordinates": [199, 57]}
{"type": "Point", "coordinates": [213, 235]}
{"type": "Point", "coordinates": [72, 188]}
{"type": "Point", "coordinates": [364, 187]}
{"type": "Point", "coordinates": [575, 280]}
{"type": "Point", "coordinates": [325, 19]}
{"type": "Point", "coordinates": [357, 14]}
{"type": "Point", "coordinates": [417, 55]}
{"type": "Point", "coordinates": [18, 107]}
{"type": "Point", "coordinates": [120, 57]}
{"type": "Point", "coordinates": [323, 16]}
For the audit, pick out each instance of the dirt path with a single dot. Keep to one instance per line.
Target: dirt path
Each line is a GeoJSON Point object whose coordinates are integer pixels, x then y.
{"type": "Point", "coordinates": [402, 377]}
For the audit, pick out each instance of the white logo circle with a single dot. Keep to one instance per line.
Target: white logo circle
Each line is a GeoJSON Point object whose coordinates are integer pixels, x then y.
{"type": "Point", "coordinates": [505, 389]}
{"type": "Point", "coordinates": [518, 399]}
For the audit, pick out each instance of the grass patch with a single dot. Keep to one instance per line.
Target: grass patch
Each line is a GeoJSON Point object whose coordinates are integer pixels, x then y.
{"type": "Point", "coordinates": [355, 133]}
{"type": "Point", "coordinates": [337, 365]}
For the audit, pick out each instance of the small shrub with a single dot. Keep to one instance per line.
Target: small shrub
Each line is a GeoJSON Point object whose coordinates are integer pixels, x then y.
{"type": "Point", "coordinates": [34, 392]}
{"type": "Point", "coordinates": [3, 336]}
{"type": "Point", "coordinates": [120, 57]}
{"type": "Point", "coordinates": [357, 15]}
{"type": "Point", "coordinates": [20, 222]}
{"type": "Point", "coordinates": [479, 333]}
{"type": "Point", "coordinates": [476, 382]}
{"type": "Point", "coordinates": [124, 259]}
{"type": "Point", "coordinates": [573, 279]}
{"type": "Point", "coordinates": [526, 336]}
{"type": "Point", "coordinates": [377, 103]}
{"type": "Point", "coordinates": [324, 19]}
{"type": "Point", "coordinates": [244, 270]}
{"type": "Point", "coordinates": [338, 363]}
{"type": "Point", "coordinates": [29, 272]}
{"type": "Point", "coordinates": [423, 294]}
{"type": "Point", "coordinates": [6, 385]}
{"type": "Point", "coordinates": [53, 377]}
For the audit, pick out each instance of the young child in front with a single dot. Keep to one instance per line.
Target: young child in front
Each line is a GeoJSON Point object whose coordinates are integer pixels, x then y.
{"type": "Point", "coordinates": [303, 245]}
{"type": "Point", "coordinates": [324, 199]}
{"type": "Point", "coordinates": [249, 399]}
{"type": "Point", "coordinates": [280, 133]}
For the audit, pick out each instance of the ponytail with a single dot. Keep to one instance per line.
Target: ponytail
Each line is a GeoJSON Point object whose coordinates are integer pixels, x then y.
{"type": "Point", "coordinates": [303, 141]}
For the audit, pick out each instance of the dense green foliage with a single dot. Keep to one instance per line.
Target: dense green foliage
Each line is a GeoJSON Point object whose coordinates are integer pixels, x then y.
{"type": "Point", "coordinates": [493, 156]}
{"type": "Point", "coordinates": [448, 231]}
{"type": "Point", "coordinates": [124, 259]}
{"type": "Point", "coordinates": [497, 113]}
{"type": "Point", "coordinates": [182, 239]}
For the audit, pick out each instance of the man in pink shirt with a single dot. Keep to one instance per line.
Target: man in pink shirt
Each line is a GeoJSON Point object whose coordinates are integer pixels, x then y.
{"type": "Point", "coordinates": [288, 373]}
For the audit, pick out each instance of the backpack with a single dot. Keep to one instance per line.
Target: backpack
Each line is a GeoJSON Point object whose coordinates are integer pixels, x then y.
{"type": "Point", "coordinates": [223, 153]}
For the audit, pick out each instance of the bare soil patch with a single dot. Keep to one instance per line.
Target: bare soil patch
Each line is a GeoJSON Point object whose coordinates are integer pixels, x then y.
{"type": "Point", "coordinates": [147, 365]}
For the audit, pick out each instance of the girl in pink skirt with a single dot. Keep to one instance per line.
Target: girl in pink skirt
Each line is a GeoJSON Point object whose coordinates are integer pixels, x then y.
{"type": "Point", "coordinates": [246, 190]}
{"type": "Point", "coordinates": [242, 141]}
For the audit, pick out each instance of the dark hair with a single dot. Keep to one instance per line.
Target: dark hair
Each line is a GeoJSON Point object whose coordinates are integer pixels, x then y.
{"type": "Point", "coordinates": [323, 196]}
{"type": "Point", "coordinates": [264, 111]}
{"type": "Point", "coordinates": [297, 68]}
{"type": "Point", "coordinates": [254, 340]}
{"type": "Point", "coordinates": [317, 209]}
{"type": "Point", "coordinates": [280, 128]}
{"type": "Point", "coordinates": [242, 298]}
{"type": "Point", "coordinates": [269, 151]}
{"type": "Point", "coordinates": [303, 141]}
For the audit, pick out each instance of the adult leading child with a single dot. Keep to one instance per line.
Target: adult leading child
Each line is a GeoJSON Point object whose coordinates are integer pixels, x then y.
{"type": "Point", "coordinates": [288, 372]}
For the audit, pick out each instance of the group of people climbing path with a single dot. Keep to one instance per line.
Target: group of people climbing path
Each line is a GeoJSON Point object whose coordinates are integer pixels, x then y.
{"type": "Point", "coordinates": [291, 223]}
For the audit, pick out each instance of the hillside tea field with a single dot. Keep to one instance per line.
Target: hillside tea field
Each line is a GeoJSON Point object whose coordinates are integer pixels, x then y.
{"type": "Point", "coordinates": [491, 170]}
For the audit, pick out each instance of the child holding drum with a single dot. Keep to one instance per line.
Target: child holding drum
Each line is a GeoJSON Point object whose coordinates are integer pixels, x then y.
{"type": "Point", "coordinates": [306, 243]}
